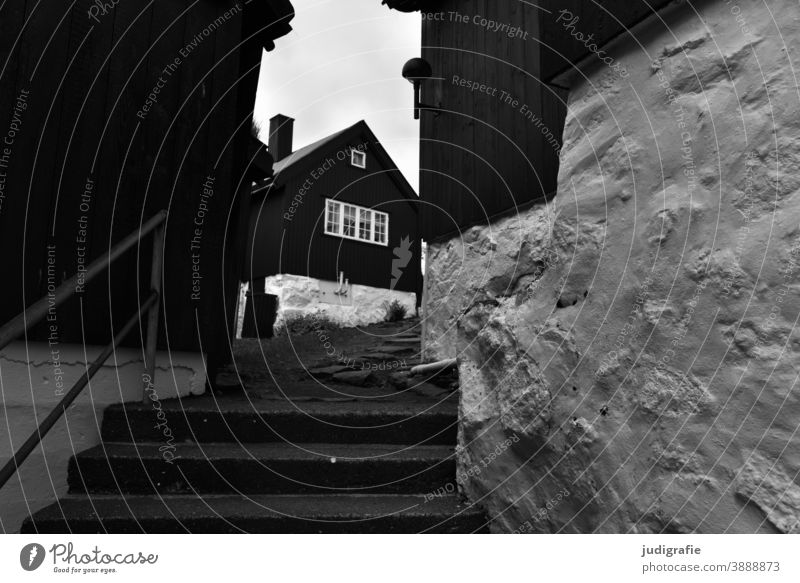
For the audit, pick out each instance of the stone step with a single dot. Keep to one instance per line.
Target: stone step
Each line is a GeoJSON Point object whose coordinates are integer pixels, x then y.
{"type": "Point", "coordinates": [357, 377]}
{"type": "Point", "coordinates": [397, 351]}
{"type": "Point", "coordinates": [389, 360]}
{"type": "Point", "coordinates": [272, 468]}
{"type": "Point", "coordinates": [210, 419]}
{"type": "Point", "coordinates": [257, 514]}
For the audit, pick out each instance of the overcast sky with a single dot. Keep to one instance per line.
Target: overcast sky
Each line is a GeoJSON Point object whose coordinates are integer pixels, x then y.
{"type": "Point", "coordinates": [341, 64]}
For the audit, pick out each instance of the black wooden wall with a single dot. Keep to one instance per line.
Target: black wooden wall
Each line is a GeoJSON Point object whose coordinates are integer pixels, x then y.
{"type": "Point", "coordinates": [260, 313]}
{"type": "Point", "coordinates": [89, 79]}
{"type": "Point", "coordinates": [490, 153]}
{"type": "Point", "coordinates": [482, 156]}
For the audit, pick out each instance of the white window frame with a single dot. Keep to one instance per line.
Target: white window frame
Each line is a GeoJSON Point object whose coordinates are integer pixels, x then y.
{"type": "Point", "coordinates": [385, 216]}
{"type": "Point", "coordinates": [355, 153]}
{"type": "Point", "coordinates": [337, 219]}
{"type": "Point", "coordinates": [370, 213]}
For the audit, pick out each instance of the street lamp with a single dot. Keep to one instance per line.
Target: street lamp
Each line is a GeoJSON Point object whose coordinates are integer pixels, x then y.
{"type": "Point", "coordinates": [416, 71]}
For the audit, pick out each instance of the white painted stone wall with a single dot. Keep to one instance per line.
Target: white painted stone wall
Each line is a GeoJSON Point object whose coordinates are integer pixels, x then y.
{"type": "Point", "coordinates": [29, 391]}
{"type": "Point", "coordinates": [640, 334]}
{"type": "Point", "coordinates": [305, 296]}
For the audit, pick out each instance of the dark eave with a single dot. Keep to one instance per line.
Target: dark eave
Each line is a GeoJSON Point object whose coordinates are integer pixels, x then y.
{"type": "Point", "coordinates": [350, 135]}
{"type": "Point", "coordinates": [275, 16]}
{"type": "Point", "coordinates": [408, 5]}
{"type": "Point", "coordinates": [607, 22]}
{"type": "Point", "coordinates": [260, 161]}
{"type": "Point", "coordinates": [630, 26]}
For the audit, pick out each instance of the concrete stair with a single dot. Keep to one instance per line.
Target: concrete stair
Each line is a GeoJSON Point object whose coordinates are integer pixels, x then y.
{"type": "Point", "coordinates": [208, 420]}
{"type": "Point", "coordinates": [351, 513]}
{"type": "Point", "coordinates": [261, 469]}
{"type": "Point", "coordinates": [268, 467]}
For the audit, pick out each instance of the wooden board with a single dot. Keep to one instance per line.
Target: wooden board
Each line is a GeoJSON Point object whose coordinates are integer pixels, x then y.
{"type": "Point", "coordinates": [483, 156]}
{"type": "Point", "coordinates": [86, 120]}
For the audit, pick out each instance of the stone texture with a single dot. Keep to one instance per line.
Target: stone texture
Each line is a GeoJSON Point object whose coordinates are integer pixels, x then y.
{"type": "Point", "coordinates": [354, 377]}
{"type": "Point", "coordinates": [767, 485]}
{"type": "Point", "coordinates": [376, 356]}
{"type": "Point", "coordinates": [326, 371]}
{"type": "Point", "coordinates": [638, 334]}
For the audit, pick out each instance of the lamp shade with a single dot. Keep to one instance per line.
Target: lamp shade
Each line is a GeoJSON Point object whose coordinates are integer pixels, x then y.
{"type": "Point", "coordinates": [417, 69]}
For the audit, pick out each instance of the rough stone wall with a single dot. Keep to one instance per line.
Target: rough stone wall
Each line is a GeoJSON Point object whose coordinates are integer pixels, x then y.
{"type": "Point", "coordinates": [639, 334]}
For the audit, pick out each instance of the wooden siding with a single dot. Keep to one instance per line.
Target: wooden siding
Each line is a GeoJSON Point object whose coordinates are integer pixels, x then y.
{"type": "Point", "coordinates": [262, 256]}
{"type": "Point", "coordinates": [483, 156]}
{"type": "Point", "coordinates": [486, 156]}
{"type": "Point", "coordinates": [86, 85]}
{"type": "Point", "coordinates": [300, 247]}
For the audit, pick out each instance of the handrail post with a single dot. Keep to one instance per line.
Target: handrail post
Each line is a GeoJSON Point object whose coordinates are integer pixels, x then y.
{"type": "Point", "coordinates": [152, 316]}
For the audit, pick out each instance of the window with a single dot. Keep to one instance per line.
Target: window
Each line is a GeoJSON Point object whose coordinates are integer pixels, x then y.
{"type": "Point", "coordinates": [355, 222]}
{"type": "Point", "coordinates": [358, 158]}
{"type": "Point", "coordinates": [349, 225]}
{"type": "Point", "coordinates": [332, 217]}
{"type": "Point", "coordinates": [365, 224]}
{"type": "Point", "coordinates": [381, 221]}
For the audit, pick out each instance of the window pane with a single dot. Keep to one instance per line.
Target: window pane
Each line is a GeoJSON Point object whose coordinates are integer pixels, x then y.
{"type": "Point", "coordinates": [365, 224]}
{"type": "Point", "coordinates": [349, 221]}
{"type": "Point", "coordinates": [356, 222]}
{"type": "Point", "coordinates": [358, 158]}
{"type": "Point", "coordinates": [332, 218]}
{"type": "Point", "coordinates": [380, 228]}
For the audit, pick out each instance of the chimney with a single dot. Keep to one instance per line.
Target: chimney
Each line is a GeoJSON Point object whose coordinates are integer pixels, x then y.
{"type": "Point", "coordinates": [281, 128]}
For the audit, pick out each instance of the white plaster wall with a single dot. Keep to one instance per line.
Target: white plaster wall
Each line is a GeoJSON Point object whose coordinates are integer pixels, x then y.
{"type": "Point", "coordinates": [241, 306]}
{"type": "Point", "coordinates": [298, 296]}
{"type": "Point", "coordinates": [28, 393]}
{"type": "Point", "coordinates": [639, 335]}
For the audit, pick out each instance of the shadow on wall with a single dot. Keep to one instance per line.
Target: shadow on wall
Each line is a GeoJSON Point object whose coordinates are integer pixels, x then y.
{"type": "Point", "coordinates": [33, 384]}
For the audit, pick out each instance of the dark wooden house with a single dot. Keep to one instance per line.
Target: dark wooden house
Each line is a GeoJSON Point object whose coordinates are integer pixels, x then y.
{"type": "Point", "coordinates": [493, 147]}
{"type": "Point", "coordinates": [337, 209]}
{"type": "Point", "coordinates": [111, 112]}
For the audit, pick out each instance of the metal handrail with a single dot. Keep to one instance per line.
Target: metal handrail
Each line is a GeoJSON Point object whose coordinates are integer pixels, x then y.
{"type": "Point", "coordinates": [36, 312]}
{"type": "Point", "coordinates": [27, 448]}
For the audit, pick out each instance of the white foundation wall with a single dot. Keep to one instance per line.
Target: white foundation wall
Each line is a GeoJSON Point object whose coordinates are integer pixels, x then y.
{"type": "Point", "coordinates": [362, 305]}
{"type": "Point", "coordinates": [637, 339]}
{"type": "Point", "coordinates": [29, 391]}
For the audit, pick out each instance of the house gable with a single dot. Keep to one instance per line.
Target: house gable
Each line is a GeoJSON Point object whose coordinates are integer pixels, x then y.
{"type": "Point", "coordinates": [311, 159]}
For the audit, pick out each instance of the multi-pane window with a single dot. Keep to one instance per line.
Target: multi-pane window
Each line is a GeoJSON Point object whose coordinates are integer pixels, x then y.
{"type": "Point", "coordinates": [381, 223]}
{"type": "Point", "coordinates": [332, 217]}
{"type": "Point", "coordinates": [365, 224]}
{"type": "Point", "coordinates": [349, 225]}
{"type": "Point", "coordinates": [356, 222]}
